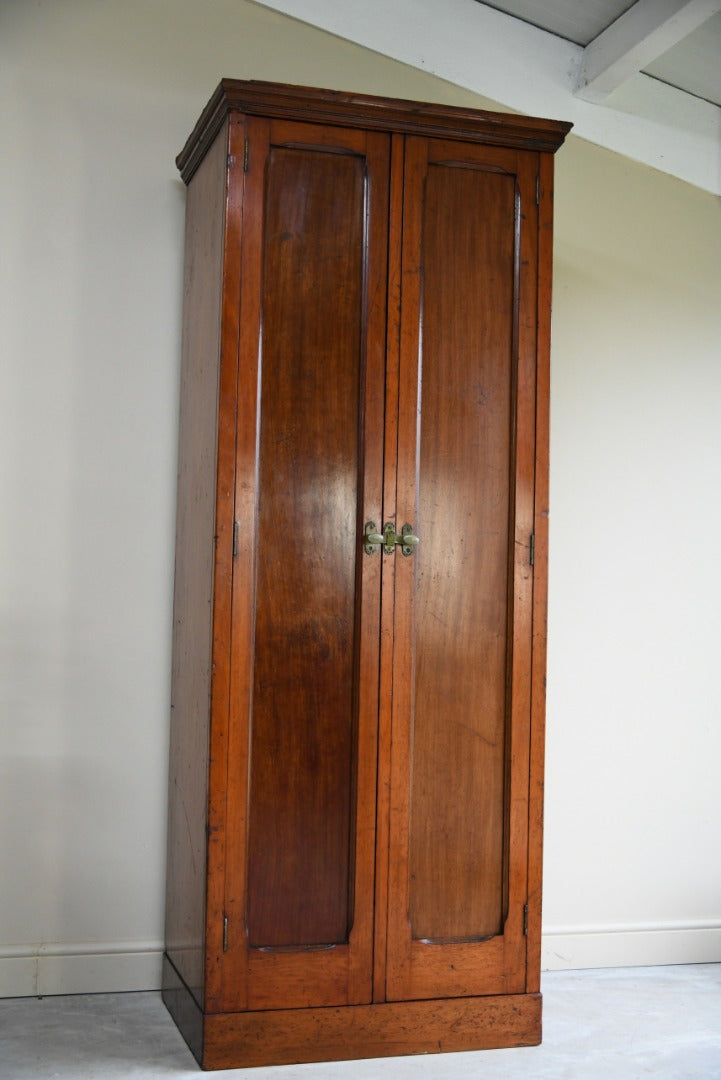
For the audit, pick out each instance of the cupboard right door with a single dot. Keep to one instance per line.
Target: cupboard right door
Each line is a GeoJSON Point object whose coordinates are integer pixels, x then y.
{"type": "Point", "coordinates": [459, 775]}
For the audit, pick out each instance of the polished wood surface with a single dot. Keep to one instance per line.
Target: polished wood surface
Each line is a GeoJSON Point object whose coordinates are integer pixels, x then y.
{"type": "Point", "coordinates": [224, 568]}
{"type": "Point", "coordinates": [302, 772]}
{"type": "Point", "coordinates": [461, 567]}
{"type": "Point", "coordinates": [415, 1027]}
{"type": "Point", "coordinates": [335, 107]}
{"type": "Point", "coordinates": [302, 751]}
{"type": "Point", "coordinates": [227, 987]}
{"type": "Point", "coordinates": [459, 771]}
{"type": "Point", "coordinates": [388, 565]}
{"type": "Point", "coordinates": [192, 607]}
{"type": "Point", "coordinates": [184, 1008]}
{"type": "Point", "coordinates": [368, 764]}
{"type": "Point", "coordinates": [540, 574]}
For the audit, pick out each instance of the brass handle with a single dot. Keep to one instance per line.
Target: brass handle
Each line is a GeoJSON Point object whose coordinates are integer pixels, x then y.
{"type": "Point", "coordinates": [408, 540]}
{"type": "Point", "coordinates": [389, 538]}
{"type": "Point", "coordinates": [371, 538]}
{"type": "Point", "coordinates": [405, 539]}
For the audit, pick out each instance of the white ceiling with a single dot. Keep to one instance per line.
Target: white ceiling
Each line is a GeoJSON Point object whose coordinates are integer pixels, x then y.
{"type": "Point", "coordinates": [575, 20]}
{"type": "Point", "coordinates": [641, 78]}
{"type": "Point", "coordinates": [692, 65]}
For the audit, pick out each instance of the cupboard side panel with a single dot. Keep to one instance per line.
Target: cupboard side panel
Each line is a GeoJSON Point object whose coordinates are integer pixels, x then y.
{"type": "Point", "coordinates": [540, 576]}
{"type": "Point", "coordinates": [194, 567]}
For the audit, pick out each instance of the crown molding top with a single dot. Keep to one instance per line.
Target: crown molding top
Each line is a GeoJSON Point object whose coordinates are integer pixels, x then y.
{"type": "Point", "coordinates": [345, 109]}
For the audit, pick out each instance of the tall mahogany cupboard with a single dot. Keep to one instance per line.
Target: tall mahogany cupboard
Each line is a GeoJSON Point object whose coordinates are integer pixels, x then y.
{"type": "Point", "coordinates": [358, 672]}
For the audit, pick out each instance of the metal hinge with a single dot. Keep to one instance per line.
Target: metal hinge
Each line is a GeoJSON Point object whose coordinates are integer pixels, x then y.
{"type": "Point", "coordinates": [525, 920]}
{"type": "Point", "coordinates": [532, 549]}
{"type": "Point", "coordinates": [538, 190]}
{"type": "Point", "coordinates": [225, 933]}
{"type": "Point", "coordinates": [235, 538]}
{"type": "Point", "coordinates": [246, 156]}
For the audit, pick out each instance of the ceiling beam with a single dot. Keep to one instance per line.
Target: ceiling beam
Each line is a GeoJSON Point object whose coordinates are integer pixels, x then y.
{"type": "Point", "coordinates": [516, 65]}
{"type": "Point", "coordinates": [635, 39]}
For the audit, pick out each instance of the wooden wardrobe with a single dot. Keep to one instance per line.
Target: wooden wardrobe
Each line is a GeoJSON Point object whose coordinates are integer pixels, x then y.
{"type": "Point", "coordinates": [354, 862]}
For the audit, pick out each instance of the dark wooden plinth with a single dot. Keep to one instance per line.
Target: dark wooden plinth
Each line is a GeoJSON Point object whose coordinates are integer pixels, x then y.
{"type": "Point", "coordinates": [292, 1036]}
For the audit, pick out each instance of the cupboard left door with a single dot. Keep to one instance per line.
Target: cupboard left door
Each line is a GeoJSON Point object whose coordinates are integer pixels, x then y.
{"type": "Point", "coordinates": [299, 826]}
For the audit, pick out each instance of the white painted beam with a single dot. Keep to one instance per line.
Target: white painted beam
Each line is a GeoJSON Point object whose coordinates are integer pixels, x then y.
{"type": "Point", "coordinates": [529, 71]}
{"type": "Point", "coordinates": [636, 39]}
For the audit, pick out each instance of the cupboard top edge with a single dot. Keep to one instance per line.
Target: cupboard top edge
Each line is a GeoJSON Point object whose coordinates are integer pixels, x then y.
{"type": "Point", "coordinates": [344, 108]}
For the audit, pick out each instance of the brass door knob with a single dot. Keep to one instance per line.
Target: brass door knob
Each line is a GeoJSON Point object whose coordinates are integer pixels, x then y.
{"type": "Point", "coordinates": [408, 540]}
{"type": "Point", "coordinates": [371, 538]}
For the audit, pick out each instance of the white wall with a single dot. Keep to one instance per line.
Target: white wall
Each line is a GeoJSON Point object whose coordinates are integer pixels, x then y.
{"type": "Point", "coordinates": [634, 695]}
{"type": "Point", "coordinates": [98, 97]}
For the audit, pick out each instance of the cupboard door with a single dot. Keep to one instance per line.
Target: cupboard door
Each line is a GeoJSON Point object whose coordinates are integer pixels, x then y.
{"type": "Point", "coordinates": [462, 639]}
{"type": "Point", "coordinates": [300, 817]}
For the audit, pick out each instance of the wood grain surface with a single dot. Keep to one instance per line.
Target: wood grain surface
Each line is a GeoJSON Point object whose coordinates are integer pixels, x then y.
{"type": "Point", "coordinates": [357, 738]}
{"type": "Point", "coordinates": [302, 770]}
{"type": "Point", "coordinates": [416, 1027]}
{"type": "Point", "coordinates": [459, 771]}
{"type": "Point", "coordinates": [461, 572]}
{"type": "Point", "coordinates": [302, 742]}
{"type": "Point", "coordinates": [194, 566]}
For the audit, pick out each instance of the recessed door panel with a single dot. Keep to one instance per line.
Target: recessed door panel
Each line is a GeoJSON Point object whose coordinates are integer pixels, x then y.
{"type": "Point", "coordinates": [462, 600]}
{"type": "Point", "coordinates": [461, 571]}
{"type": "Point", "coordinates": [301, 778]}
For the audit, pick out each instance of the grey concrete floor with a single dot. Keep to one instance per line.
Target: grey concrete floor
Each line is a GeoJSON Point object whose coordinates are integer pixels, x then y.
{"type": "Point", "coordinates": [623, 1023]}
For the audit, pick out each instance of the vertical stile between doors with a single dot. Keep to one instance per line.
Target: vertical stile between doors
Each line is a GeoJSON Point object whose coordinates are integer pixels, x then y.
{"type": "Point", "coordinates": [388, 565]}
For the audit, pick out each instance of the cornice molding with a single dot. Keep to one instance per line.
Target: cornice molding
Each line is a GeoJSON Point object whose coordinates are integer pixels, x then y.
{"type": "Point", "coordinates": [345, 109]}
